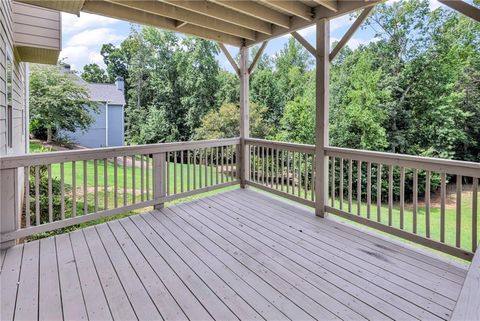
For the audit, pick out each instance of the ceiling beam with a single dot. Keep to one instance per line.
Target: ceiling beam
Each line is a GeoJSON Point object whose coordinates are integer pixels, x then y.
{"type": "Point", "coordinates": [258, 11]}
{"type": "Point", "coordinates": [344, 7]}
{"type": "Point", "coordinates": [463, 7]}
{"type": "Point", "coordinates": [229, 58]}
{"type": "Point", "coordinates": [214, 10]}
{"type": "Point", "coordinates": [172, 12]}
{"type": "Point", "coordinates": [304, 43]}
{"type": "Point", "coordinates": [329, 4]}
{"type": "Point", "coordinates": [257, 57]}
{"type": "Point", "coordinates": [346, 37]}
{"type": "Point", "coordinates": [137, 16]}
{"type": "Point", "coordinates": [295, 8]}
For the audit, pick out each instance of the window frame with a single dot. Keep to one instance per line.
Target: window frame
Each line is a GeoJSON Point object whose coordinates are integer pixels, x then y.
{"type": "Point", "coordinates": [9, 99]}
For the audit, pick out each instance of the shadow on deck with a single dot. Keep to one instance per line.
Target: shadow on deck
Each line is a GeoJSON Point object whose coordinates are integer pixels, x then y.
{"type": "Point", "coordinates": [236, 255]}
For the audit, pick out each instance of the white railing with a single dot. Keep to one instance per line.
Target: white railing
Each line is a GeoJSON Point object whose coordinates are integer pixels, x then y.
{"type": "Point", "coordinates": [389, 192]}
{"type": "Point", "coordinates": [72, 187]}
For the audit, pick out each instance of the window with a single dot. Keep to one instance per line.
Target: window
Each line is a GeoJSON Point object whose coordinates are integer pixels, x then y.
{"type": "Point", "coordinates": [9, 90]}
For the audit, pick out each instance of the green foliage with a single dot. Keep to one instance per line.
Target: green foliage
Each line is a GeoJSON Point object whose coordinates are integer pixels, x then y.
{"type": "Point", "coordinates": [225, 123]}
{"type": "Point", "coordinates": [58, 101]}
{"type": "Point", "coordinates": [94, 74]}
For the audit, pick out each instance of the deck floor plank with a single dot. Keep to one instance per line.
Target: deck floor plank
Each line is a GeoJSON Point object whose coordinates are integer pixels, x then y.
{"type": "Point", "coordinates": [265, 269]}
{"type": "Point", "coordinates": [162, 298]}
{"type": "Point", "coordinates": [95, 300]}
{"type": "Point", "coordinates": [348, 257]}
{"type": "Point", "coordinates": [204, 294]}
{"type": "Point", "coordinates": [27, 298]}
{"type": "Point", "coordinates": [222, 289]}
{"type": "Point", "coordinates": [231, 271]}
{"type": "Point", "coordinates": [239, 254]}
{"type": "Point", "coordinates": [9, 281]}
{"type": "Point", "coordinates": [73, 304]}
{"type": "Point", "coordinates": [115, 294]}
{"type": "Point", "coordinates": [49, 297]}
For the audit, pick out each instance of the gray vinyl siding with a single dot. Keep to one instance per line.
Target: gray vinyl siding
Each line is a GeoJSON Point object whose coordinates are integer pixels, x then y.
{"type": "Point", "coordinates": [18, 86]}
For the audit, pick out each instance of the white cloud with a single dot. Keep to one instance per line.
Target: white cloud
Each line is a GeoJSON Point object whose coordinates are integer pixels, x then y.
{"type": "Point", "coordinates": [75, 56]}
{"type": "Point", "coordinates": [71, 23]}
{"type": "Point", "coordinates": [93, 37]}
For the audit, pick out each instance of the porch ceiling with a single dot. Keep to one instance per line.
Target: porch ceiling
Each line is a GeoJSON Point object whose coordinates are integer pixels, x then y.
{"type": "Point", "coordinates": [236, 23]}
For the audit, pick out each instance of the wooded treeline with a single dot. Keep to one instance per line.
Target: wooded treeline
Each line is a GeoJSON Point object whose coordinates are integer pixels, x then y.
{"type": "Point", "coordinates": [415, 89]}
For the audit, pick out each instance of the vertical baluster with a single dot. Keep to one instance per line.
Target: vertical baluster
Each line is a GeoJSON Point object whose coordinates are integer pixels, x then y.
{"type": "Point", "coordinates": [181, 172]}
{"type": "Point", "coordinates": [125, 200]}
{"type": "Point", "coordinates": [253, 162]}
{"type": "Point", "coordinates": [142, 179]}
{"type": "Point", "coordinates": [299, 174]}
{"type": "Point", "coordinates": [263, 165]}
{"type": "Point", "coordinates": [37, 195]}
{"type": "Point", "coordinates": [427, 204]}
{"type": "Point", "coordinates": [379, 192]}
{"type": "Point", "coordinates": [369, 189]}
{"type": "Point", "coordinates": [332, 178]}
{"type": "Point", "coordinates": [27, 195]}
{"type": "Point", "coordinates": [175, 172]}
{"type": "Point", "coordinates": [402, 197]}
{"type": "Point", "coordinates": [211, 165]}
{"type": "Point", "coordinates": [350, 185]}
{"type": "Point", "coordinates": [222, 164]}
{"type": "Point", "coordinates": [277, 154]}
{"type": "Point", "coordinates": [194, 154]}
{"type": "Point", "coordinates": [359, 187]}
{"type": "Point", "coordinates": [50, 196]}
{"type": "Point", "coordinates": [267, 160]}
{"type": "Point", "coordinates": [340, 192]}
{"type": "Point", "coordinates": [188, 171]}
{"type": "Point", "coordinates": [288, 171]}
{"type": "Point", "coordinates": [168, 173]}
{"type": "Point", "coordinates": [312, 177]}
{"type": "Point", "coordinates": [95, 184]}
{"type": "Point", "coordinates": [283, 171]}
{"type": "Point", "coordinates": [105, 184]}
{"type": "Point", "coordinates": [62, 191]}
{"type": "Point", "coordinates": [115, 182]}
{"type": "Point", "coordinates": [474, 214]}
{"type": "Point", "coordinates": [443, 195]}
{"type": "Point", "coordinates": [85, 187]}
{"type": "Point", "coordinates": [200, 177]}
{"type": "Point", "coordinates": [415, 200]}
{"type": "Point", "coordinates": [458, 221]}
{"type": "Point", "coordinates": [294, 171]}
{"type": "Point", "coordinates": [306, 177]}
{"type": "Point", "coordinates": [231, 162]}
{"type": "Point", "coordinates": [74, 189]}
{"type": "Point", "coordinates": [134, 189]}
{"type": "Point", "coordinates": [216, 165]}
{"type": "Point", "coordinates": [147, 180]}
{"type": "Point", "coordinates": [206, 167]}
{"type": "Point", "coordinates": [390, 195]}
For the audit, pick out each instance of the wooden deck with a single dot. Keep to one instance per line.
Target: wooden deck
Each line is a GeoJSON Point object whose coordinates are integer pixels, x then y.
{"type": "Point", "coordinates": [235, 255]}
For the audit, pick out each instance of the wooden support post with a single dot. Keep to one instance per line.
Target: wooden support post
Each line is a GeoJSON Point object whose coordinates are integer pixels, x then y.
{"type": "Point", "coordinates": [244, 116]}
{"type": "Point", "coordinates": [321, 115]}
{"type": "Point", "coordinates": [9, 203]}
{"type": "Point", "coordinates": [159, 179]}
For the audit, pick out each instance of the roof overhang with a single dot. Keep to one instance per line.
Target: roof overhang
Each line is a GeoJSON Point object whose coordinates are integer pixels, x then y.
{"type": "Point", "coordinates": [236, 23]}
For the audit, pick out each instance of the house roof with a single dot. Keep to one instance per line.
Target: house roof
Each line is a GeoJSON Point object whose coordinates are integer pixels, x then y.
{"type": "Point", "coordinates": [106, 93]}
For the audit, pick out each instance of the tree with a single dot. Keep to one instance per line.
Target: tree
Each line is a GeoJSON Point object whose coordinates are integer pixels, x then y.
{"type": "Point", "coordinates": [225, 123]}
{"type": "Point", "coordinates": [94, 74]}
{"type": "Point", "coordinates": [58, 101]}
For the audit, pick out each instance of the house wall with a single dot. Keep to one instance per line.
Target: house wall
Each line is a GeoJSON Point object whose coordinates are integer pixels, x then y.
{"type": "Point", "coordinates": [19, 88]}
{"type": "Point", "coordinates": [96, 135]}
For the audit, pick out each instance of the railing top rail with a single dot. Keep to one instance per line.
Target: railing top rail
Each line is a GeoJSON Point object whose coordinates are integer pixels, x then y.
{"type": "Point", "coordinates": [304, 148]}
{"type": "Point", "coordinates": [100, 153]}
{"type": "Point", "coordinates": [419, 162]}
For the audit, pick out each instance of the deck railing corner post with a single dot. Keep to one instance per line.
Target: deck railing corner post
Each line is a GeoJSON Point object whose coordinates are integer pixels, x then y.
{"type": "Point", "coordinates": [10, 192]}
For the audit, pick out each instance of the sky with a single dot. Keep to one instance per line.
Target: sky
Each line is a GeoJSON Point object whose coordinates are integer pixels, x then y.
{"type": "Point", "coordinates": [83, 37]}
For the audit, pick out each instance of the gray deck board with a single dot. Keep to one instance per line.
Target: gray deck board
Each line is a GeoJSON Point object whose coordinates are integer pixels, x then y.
{"type": "Point", "coordinates": [236, 255]}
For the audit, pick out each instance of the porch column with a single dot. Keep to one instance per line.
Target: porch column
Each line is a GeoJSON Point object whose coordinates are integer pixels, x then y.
{"type": "Point", "coordinates": [244, 116]}
{"type": "Point", "coordinates": [9, 203]}
{"type": "Point", "coordinates": [321, 115]}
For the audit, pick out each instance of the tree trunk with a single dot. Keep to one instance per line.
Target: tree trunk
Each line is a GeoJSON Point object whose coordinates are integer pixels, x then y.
{"type": "Point", "coordinates": [49, 135]}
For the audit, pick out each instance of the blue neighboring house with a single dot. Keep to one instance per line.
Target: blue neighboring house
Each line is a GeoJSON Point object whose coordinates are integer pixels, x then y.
{"type": "Point", "coordinates": [108, 128]}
